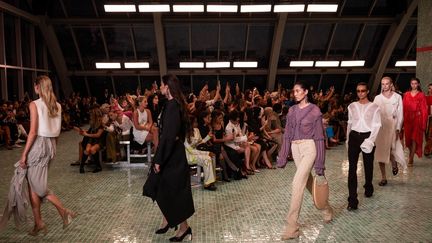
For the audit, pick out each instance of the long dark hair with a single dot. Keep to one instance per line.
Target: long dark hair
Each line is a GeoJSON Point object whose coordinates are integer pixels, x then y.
{"type": "Point", "coordinates": [418, 81]}
{"type": "Point", "coordinates": [304, 86]}
{"type": "Point", "coordinates": [154, 109]}
{"type": "Point", "coordinates": [176, 92]}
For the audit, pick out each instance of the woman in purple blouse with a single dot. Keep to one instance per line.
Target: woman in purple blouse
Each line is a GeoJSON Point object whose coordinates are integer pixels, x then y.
{"type": "Point", "coordinates": [304, 139]}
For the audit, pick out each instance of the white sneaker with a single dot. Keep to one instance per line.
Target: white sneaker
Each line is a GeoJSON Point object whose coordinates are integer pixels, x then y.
{"type": "Point", "coordinates": [20, 141]}
{"type": "Point", "coordinates": [17, 146]}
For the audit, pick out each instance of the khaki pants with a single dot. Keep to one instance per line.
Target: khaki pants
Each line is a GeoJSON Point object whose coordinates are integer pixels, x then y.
{"type": "Point", "coordinates": [304, 153]}
{"type": "Point", "coordinates": [110, 146]}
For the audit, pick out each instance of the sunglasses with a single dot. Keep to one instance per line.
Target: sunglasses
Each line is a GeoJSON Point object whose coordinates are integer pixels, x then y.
{"type": "Point", "coordinates": [361, 90]}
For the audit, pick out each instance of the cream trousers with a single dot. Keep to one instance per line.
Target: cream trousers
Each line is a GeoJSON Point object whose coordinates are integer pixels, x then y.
{"type": "Point", "coordinates": [203, 159]}
{"type": "Point", "coordinates": [304, 153]}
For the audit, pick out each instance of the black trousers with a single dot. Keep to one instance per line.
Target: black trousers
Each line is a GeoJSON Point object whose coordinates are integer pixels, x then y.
{"type": "Point", "coordinates": [355, 140]}
{"type": "Point", "coordinates": [235, 157]}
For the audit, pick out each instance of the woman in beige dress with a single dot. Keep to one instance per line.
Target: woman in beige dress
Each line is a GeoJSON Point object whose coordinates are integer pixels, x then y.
{"type": "Point", "coordinates": [45, 125]}
{"type": "Point", "coordinates": [388, 145]}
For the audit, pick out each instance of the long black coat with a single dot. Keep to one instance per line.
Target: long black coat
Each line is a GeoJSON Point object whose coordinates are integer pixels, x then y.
{"type": "Point", "coordinates": [174, 195]}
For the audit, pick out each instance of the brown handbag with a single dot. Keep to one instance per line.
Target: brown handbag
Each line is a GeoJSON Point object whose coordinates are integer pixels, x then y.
{"type": "Point", "coordinates": [320, 192]}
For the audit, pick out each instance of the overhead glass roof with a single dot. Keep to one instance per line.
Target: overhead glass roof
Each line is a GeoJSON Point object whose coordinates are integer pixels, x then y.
{"type": "Point", "coordinates": [87, 34]}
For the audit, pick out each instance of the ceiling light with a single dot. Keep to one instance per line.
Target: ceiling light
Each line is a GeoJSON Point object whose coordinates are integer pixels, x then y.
{"type": "Point", "coordinates": [245, 64]}
{"type": "Point", "coordinates": [108, 65]}
{"type": "Point", "coordinates": [152, 8]}
{"type": "Point", "coordinates": [218, 64]}
{"type": "Point", "coordinates": [188, 8]}
{"type": "Point", "coordinates": [406, 64]}
{"type": "Point", "coordinates": [117, 8]}
{"type": "Point", "coordinates": [137, 65]}
{"type": "Point", "coordinates": [322, 8]}
{"type": "Point", "coordinates": [191, 64]}
{"type": "Point", "coordinates": [327, 64]}
{"type": "Point", "coordinates": [288, 8]}
{"type": "Point", "coordinates": [222, 8]}
{"type": "Point", "coordinates": [255, 8]}
{"type": "Point", "coordinates": [301, 64]}
{"type": "Point", "coordinates": [358, 63]}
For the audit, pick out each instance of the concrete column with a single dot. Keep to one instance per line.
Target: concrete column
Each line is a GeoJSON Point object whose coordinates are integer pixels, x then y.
{"type": "Point", "coordinates": [55, 50]}
{"type": "Point", "coordinates": [275, 52]}
{"type": "Point", "coordinates": [160, 43]}
{"type": "Point", "coordinates": [3, 78]}
{"type": "Point", "coordinates": [19, 58]}
{"type": "Point", "coordinates": [424, 43]}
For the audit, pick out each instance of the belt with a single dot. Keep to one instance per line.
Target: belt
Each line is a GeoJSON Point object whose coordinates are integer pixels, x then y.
{"type": "Point", "coordinates": [301, 141]}
{"type": "Point", "coordinates": [360, 133]}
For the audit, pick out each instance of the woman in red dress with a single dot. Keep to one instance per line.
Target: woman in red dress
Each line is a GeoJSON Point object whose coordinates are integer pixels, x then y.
{"type": "Point", "coordinates": [415, 116]}
{"type": "Point", "coordinates": [428, 146]}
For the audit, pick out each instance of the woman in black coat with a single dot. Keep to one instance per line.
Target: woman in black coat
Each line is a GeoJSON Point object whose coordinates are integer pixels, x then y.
{"type": "Point", "coordinates": [174, 195]}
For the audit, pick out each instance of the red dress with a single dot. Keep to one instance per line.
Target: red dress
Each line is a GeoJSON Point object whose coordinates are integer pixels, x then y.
{"type": "Point", "coordinates": [415, 116]}
{"type": "Point", "coordinates": [429, 103]}
{"type": "Point", "coordinates": [428, 146]}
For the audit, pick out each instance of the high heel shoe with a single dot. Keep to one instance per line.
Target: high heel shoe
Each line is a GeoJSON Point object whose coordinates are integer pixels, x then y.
{"type": "Point", "coordinates": [382, 183]}
{"type": "Point", "coordinates": [180, 238]}
{"type": "Point", "coordinates": [395, 170]}
{"type": "Point", "coordinates": [164, 229]}
{"type": "Point", "coordinates": [67, 217]}
{"type": "Point", "coordinates": [36, 230]}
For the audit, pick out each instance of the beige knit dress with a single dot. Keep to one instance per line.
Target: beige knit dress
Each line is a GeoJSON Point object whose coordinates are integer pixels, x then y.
{"type": "Point", "coordinates": [387, 144]}
{"type": "Point", "coordinates": [38, 158]}
{"type": "Point", "coordinates": [41, 153]}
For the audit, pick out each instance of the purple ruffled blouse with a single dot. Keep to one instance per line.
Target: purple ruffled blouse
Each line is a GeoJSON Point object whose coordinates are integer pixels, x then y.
{"type": "Point", "coordinates": [304, 123]}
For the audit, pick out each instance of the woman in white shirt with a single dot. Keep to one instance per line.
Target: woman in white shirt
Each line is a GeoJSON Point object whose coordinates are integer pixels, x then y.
{"type": "Point", "coordinates": [121, 124]}
{"type": "Point", "coordinates": [238, 145]}
{"type": "Point", "coordinates": [45, 125]}
{"type": "Point", "coordinates": [364, 122]}
{"type": "Point", "coordinates": [204, 159]}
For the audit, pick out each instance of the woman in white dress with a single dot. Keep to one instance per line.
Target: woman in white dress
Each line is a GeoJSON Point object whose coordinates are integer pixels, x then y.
{"type": "Point", "coordinates": [143, 129]}
{"type": "Point", "coordinates": [388, 145]}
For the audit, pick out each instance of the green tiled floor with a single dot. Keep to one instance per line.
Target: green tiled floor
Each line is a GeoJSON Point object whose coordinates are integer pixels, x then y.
{"type": "Point", "coordinates": [112, 209]}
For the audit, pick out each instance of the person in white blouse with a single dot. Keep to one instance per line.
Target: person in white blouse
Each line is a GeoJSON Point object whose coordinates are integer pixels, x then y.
{"type": "Point", "coordinates": [202, 158]}
{"type": "Point", "coordinates": [121, 124]}
{"type": "Point", "coordinates": [364, 122]}
{"type": "Point", "coordinates": [388, 145]}
{"type": "Point", "coordinates": [239, 144]}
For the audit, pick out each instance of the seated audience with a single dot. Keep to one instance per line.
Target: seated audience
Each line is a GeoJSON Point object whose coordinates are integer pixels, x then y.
{"type": "Point", "coordinates": [143, 126]}
{"type": "Point", "coordinates": [201, 158]}
{"type": "Point", "coordinates": [95, 140]}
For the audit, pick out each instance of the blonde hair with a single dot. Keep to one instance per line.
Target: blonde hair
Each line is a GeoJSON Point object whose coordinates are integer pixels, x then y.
{"type": "Point", "coordinates": [95, 118]}
{"type": "Point", "coordinates": [391, 82]}
{"type": "Point", "coordinates": [47, 95]}
{"type": "Point", "coordinates": [141, 99]}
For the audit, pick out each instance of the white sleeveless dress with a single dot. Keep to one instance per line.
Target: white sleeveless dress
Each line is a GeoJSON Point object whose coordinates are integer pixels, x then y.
{"type": "Point", "coordinates": [140, 135]}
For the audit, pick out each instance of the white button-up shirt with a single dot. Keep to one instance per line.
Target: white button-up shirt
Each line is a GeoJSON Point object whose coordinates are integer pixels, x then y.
{"type": "Point", "coordinates": [364, 118]}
